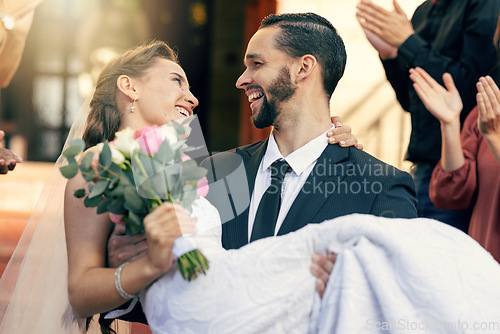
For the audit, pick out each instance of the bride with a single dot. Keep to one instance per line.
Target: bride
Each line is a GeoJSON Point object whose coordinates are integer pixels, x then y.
{"type": "Point", "coordinates": [390, 273]}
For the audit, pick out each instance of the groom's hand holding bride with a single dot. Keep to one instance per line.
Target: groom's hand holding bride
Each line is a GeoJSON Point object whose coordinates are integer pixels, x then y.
{"type": "Point", "coordinates": [128, 248]}
{"type": "Point", "coordinates": [322, 267]}
{"type": "Point", "coordinates": [125, 248]}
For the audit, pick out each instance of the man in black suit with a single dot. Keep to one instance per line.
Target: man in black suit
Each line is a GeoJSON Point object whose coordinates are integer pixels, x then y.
{"type": "Point", "coordinates": [293, 64]}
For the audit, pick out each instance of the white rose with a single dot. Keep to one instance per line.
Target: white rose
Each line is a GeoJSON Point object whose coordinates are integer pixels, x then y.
{"type": "Point", "coordinates": [116, 156]}
{"type": "Point", "coordinates": [125, 141]}
{"type": "Point", "coordinates": [168, 133]}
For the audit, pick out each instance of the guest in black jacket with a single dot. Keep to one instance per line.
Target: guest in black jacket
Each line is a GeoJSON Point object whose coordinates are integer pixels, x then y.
{"type": "Point", "coordinates": [443, 36]}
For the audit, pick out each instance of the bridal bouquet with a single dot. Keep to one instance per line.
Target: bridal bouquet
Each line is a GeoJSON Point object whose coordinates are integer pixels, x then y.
{"type": "Point", "coordinates": [138, 171]}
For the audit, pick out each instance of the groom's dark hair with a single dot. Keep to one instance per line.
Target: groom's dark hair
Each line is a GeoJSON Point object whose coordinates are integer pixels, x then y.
{"type": "Point", "coordinates": [309, 33]}
{"type": "Point", "coordinates": [103, 120]}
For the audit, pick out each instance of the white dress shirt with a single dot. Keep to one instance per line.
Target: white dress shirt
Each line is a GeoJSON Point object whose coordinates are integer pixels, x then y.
{"type": "Point", "coordinates": [302, 162]}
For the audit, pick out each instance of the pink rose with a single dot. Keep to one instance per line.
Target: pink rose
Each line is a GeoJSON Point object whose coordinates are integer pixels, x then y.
{"type": "Point", "coordinates": [149, 139]}
{"type": "Point", "coordinates": [202, 187]}
{"type": "Point", "coordinates": [115, 218]}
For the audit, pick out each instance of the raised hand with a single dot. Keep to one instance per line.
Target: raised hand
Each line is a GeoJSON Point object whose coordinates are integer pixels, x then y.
{"type": "Point", "coordinates": [385, 50]}
{"type": "Point", "coordinates": [444, 103]}
{"type": "Point", "coordinates": [391, 27]}
{"type": "Point", "coordinates": [488, 102]}
{"type": "Point", "coordinates": [488, 121]}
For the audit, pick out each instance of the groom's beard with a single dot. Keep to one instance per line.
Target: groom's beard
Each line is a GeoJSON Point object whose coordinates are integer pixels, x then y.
{"type": "Point", "coordinates": [280, 90]}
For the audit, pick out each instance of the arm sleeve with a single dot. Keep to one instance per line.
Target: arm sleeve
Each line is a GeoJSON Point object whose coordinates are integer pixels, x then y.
{"type": "Point", "coordinates": [398, 76]}
{"type": "Point", "coordinates": [477, 55]}
{"type": "Point", "coordinates": [456, 190]}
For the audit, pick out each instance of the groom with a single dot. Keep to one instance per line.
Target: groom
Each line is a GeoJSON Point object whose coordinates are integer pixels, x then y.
{"type": "Point", "coordinates": [293, 64]}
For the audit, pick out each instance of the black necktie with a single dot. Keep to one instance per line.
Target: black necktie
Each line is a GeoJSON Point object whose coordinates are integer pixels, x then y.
{"type": "Point", "coordinates": [269, 206]}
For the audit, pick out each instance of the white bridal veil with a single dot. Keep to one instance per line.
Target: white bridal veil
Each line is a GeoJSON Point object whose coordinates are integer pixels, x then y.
{"type": "Point", "coordinates": [34, 286]}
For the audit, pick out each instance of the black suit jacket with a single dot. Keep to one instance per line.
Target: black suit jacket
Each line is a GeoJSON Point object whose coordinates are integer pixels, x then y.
{"type": "Point", "coordinates": [343, 181]}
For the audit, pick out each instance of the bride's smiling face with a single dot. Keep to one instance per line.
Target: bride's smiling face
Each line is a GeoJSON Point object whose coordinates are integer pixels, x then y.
{"type": "Point", "coordinates": [163, 93]}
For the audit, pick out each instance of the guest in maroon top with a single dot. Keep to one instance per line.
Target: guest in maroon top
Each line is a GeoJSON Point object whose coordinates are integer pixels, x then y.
{"type": "Point", "coordinates": [476, 183]}
{"type": "Point", "coordinates": [469, 170]}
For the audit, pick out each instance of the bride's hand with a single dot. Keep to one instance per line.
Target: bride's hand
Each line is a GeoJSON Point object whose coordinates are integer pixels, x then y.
{"type": "Point", "coordinates": [342, 135]}
{"type": "Point", "coordinates": [163, 225]}
{"type": "Point", "coordinates": [322, 267]}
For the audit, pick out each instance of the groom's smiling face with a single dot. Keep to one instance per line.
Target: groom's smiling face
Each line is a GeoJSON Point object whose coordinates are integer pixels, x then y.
{"type": "Point", "coordinates": [266, 80]}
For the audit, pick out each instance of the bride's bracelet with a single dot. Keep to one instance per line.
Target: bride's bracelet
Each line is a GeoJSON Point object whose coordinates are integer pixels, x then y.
{"type": "Point", "coordinates": [118, 283]}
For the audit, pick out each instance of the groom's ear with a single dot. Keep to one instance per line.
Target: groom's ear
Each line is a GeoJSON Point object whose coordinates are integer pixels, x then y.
{"type": "Point", "coordinates": [125, 85]}
{"type": "Point", "coordinates": [305, 67]}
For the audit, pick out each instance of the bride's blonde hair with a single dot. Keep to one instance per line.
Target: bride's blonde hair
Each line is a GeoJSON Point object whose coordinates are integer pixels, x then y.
{"type": "Point", "coordinates": [103, 120]}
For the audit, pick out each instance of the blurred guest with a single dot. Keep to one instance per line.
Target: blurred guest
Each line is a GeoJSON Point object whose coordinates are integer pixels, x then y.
{"type": "Point", "coordinates": [8, 159]}
{"type": "Point", "coordinates": [443, 36]}
{"type": "Point", "coordinates": [469, 170]}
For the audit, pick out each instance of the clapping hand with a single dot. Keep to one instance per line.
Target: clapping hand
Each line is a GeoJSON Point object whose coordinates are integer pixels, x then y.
{"type": "Point", "coordinates": [488, 121]}
{"type": "Point", "coordinates": [444, 103]}
{"type": "Point", "coordinates": [386, 30]}
{"type": "Point", "coordinates": [488, 102]}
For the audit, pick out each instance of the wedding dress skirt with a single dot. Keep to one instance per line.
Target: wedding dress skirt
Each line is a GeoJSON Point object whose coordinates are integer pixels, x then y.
{"type": "Point", "coordinates": [405, 275]}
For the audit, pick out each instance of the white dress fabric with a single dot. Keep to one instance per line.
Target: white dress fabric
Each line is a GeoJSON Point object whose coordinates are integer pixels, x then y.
{"type": "Point", "coordinates": [391, 275]}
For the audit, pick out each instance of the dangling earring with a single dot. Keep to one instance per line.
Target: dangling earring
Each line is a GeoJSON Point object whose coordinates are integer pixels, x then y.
{"type": "Point", "coordinates": [132, 108]}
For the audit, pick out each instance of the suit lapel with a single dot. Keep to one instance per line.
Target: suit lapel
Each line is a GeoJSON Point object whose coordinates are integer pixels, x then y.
{"type": "Point", "coordinates": [312, 195]}
{"type": "Point", "coordinates": [235, 232]}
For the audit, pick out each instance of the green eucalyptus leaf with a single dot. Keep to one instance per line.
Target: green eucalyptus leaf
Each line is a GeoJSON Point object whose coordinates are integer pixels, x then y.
{"type": "Point", "coordinates": [80, 193]}
{"type": "Point", "coordinates": [69, 171]}
{"type": "Point", "coordinates": [115, 170]}
{"type": "Point", "coordinates": [72, 151]}
{"type": "Point", "coordinates": [92, 202]}
{"type": "Point", "coordinates": [105, 156]}
{"type": "Point", "coordinates": [102, 172]}
{"type": "Point", "coordinates": [148, 165]}
{"type": "Point", "coordinates": [102, 207]}
{"type": "Point", "coordinates": [75, 147]}
{"type": "Point", "coordinates": [189, 195]}
{"type": "Point", "coordinates": [179, 128]}
{"type": "Point", "coordinates": [89, 175]}
{"type": "Point", "coordinates": [86, 160]}
{"type": "Point", "coordinates": [133, 224]}
{"type": "Point", "coordinates": [191, 171]}
{"type": "Point", "coordinates": [133, 200]}
{"type": "Point", "coordinates": [146, 189]}
{"type": "Point", "coordinates": [99, 188]}
{"type": "Point", "coordinates": [154, 187]}
{"type": "Point", "coordinates": [165, 153]}
{"type": "Point", "coordinates": [117, 191]}
{"type": "Point", "coordinates": [116, 207]}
